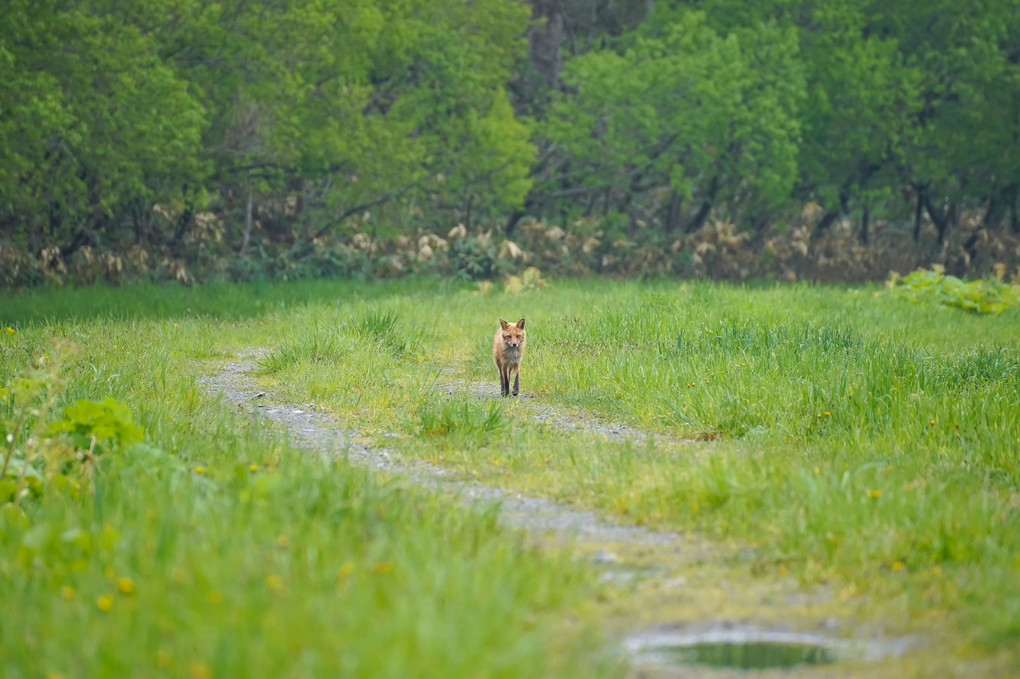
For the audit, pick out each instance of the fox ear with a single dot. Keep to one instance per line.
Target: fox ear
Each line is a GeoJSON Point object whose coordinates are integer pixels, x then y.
{"type": "Point", "coordinates": [504, 324]}
{"type": "Point", "coordinates": [520, 324]}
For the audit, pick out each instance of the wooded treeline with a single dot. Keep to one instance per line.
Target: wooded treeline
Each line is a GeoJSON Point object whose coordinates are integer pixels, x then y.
{"type": "Point", "coordinates": [722, 137]}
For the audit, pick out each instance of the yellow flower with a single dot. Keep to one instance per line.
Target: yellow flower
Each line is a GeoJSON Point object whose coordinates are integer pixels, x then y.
{"type": "Point", "coordinates": [382, 567]}
{"type": "Point", "coordinates": [197, 670]}
{"type": "Point", "coordinates": [9, 330]}
{"type": "Point", "coordinates": [874, 494]}
{"type": "Point", "coordinates": [254, 467]}
{"type": "Point", "coordinates": [126, 586]}
{"type": "Point", "coordinates": [200, 470]}
{"type": "Point", "coordinates": [163, 658]}
{"type": "Point", "coordinates": [104, 602]}
{"type": "Point", "coordinates": [67, 592]}
{"type": "Point", "coordinates": [54, 675]}
{"type": "Point", "coordinates": [275, 583]}
{"type": "Point", "coordinates": [933, 422]}
{"type": "Point", "coordinates": [897, 565]}
{"type": "Point", "coordinates": [827, 413]}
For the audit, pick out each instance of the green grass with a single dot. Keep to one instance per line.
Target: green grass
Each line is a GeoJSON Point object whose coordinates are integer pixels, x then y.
{"type": "Point", "coordinates": [849, 436]}
{"type": "Point", "coordinates": [217, 549]}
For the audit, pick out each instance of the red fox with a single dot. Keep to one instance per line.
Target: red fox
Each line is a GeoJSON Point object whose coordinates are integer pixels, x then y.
{"type": "Point", "coordinates": [507, 352]}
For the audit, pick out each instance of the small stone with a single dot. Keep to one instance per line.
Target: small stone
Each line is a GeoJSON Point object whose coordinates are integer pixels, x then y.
{"type": "Point", "coordinates": [602, 556]}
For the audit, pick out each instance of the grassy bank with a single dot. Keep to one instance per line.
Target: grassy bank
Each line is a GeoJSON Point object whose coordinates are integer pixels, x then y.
{"type": "Point", "coordinates": [849, 437]}
{"type": "Point", "coordinates": [214, 548]}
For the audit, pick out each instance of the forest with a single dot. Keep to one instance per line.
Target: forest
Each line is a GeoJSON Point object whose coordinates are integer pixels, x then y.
{"type": "Point", "coordinates": [196, 140]}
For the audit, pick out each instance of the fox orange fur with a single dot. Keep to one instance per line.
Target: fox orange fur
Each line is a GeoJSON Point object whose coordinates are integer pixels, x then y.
{"type": "Point", "coordinates": [507, 352]}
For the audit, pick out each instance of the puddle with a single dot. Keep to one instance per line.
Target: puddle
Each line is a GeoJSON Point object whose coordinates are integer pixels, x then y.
{"type": "Point", "coordinates": [758, 655]}
{"type": "Point", "coordinates": [727, 646]}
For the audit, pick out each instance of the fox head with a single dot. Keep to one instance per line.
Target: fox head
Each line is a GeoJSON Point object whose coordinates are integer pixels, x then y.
{"type": "Point", "coordinates": [513, 333]}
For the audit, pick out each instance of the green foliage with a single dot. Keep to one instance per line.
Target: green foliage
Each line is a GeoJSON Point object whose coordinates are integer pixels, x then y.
{"type": "Point", "coordinates": [109, 422]}
{"type": "Point", "coordinates": [217, 548]}
{"type": "Point", "coordinates": [982, 296]}
{"type": "Point", "coordinates": [188, 139]}
{"type": "Point", "coordinates": [687, 108]}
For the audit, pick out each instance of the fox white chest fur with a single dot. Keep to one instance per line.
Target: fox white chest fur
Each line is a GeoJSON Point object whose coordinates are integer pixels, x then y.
{"type": "Point", "coordinates": [511, 355]}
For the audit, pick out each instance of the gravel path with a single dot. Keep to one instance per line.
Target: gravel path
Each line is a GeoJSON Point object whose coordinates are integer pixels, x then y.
{"type": "Point", "coordinates": [543, 519]}
{"type": "Point", "coordinates": [575, 421]}
{"type": "Point", "coordinates": [326, 433]}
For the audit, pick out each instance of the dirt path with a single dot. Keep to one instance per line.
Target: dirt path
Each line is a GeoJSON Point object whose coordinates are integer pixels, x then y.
{"type": "Point", "coordinates": [325, 433]}
{"type": "Point", "coordinates": [677, 590]}
{"type": "Point", "coordinates": [575, 420]}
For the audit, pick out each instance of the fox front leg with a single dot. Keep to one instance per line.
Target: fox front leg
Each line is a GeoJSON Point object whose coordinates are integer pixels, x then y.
{"type": "Point", "coordinates": [517, 375]}
{"type": "Point", "coordinates": [504, 382]}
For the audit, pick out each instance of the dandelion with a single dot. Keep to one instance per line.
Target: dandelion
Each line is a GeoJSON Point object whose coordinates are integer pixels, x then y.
{"type": "Point", "coordinates": [67, 592]}
{"type": "Point", "coordinates": [382, 568]}
{"type": "Point", "coordinates": [874, 494]}
{"type": "Point", "coordinates": [104, 602]}
{"type": "Point", "coordinates": [275, 583]}
{"type": "Point", "coordinates": [898, 565]}
{"type": "Point", "coordinates": [197, 670]}
{"type": "Point", "coordinates": [933, 422]}
{"type": "Point", "coordinates": [200, 470]}
{"type": "Point", "coordinates": [175, 325]}
{"type": "Point", "coordinates": [126, 586]}
{"type": "Point", "coordinates": [163, 658]}
{"type": "Point", "coordinates": [827, 413]}
{"type": "Point", "coordinates": [9, 330]}
{"type": "Point", "coordinates": [254, 467]}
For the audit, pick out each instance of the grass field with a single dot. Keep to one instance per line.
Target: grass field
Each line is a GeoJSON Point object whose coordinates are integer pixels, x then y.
{"type": "Point", "coordinates": [849, 437]}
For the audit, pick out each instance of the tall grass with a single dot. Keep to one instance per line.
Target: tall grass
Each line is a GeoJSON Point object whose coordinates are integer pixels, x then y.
{"type": "Point", "coordinates": [217, 549]}
{"type": "Point", "coordinates": [849, 437]}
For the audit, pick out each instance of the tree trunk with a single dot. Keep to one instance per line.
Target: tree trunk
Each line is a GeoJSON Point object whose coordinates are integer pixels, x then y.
{"type": "Point", "coordinates": [511, 222]}
{"type": "Point", "coordinates": [545, 39]}
{"type": "Point", "coordinates": [706, 206]}
{"type": "Point", "coordinates": [939, 219]}
{"type": "Point", "coordinates": [918, 212]}
{"type": "Point", "coordinates": [247, 223]}
{"type": "Point", "coordinates": [832, 215]}
{"type": "Point", "coordinates": [1014, 218]}
{"type": "Point", "coordinates": [676, 202]}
